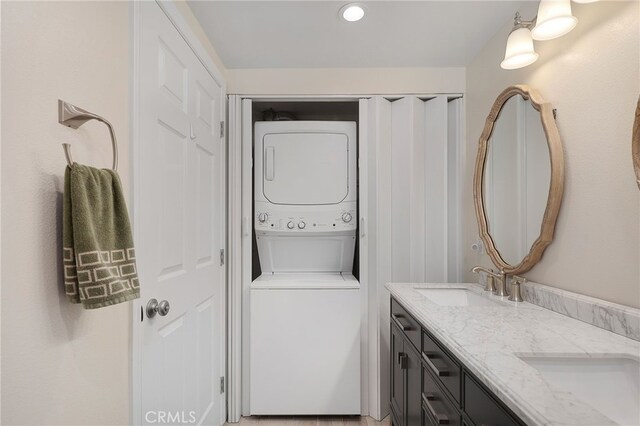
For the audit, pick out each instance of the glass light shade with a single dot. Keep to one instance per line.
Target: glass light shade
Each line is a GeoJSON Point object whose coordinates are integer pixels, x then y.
{"type": "Point", "coordinates": [352, 12]}
{"type": "Point", "coordinates": [519, 52]}
{"type": "Point", "coordinates": [554, 19]}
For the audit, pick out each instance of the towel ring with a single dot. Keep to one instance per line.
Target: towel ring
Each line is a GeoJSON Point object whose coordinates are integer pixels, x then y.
{"type": "Point", "coordinates": [74, 117]}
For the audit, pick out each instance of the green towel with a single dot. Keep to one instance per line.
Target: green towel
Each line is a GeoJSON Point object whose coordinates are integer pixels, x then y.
{"type": "Point", "coordinates": [98, 253]}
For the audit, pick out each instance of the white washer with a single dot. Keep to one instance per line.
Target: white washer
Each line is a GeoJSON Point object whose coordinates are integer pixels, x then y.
{"type": "Point", "coordinates": [305, 307]}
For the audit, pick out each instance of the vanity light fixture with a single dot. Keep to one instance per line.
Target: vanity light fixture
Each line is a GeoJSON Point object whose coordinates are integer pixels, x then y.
{"type": "Point", "coordinates": [519, 52]}
{"type": "Point", "coordinates": [554, 19]}
{"type": "Point", "coordinates": [352, 12]}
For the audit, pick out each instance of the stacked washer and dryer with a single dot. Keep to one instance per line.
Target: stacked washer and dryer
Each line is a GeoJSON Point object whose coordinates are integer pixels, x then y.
{"type": "Point", "coordinates": [305, 307]}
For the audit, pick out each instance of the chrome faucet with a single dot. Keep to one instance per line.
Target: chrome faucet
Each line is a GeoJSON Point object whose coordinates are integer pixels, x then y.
{"type": "Point", "coordinates": [489, 285]}
{"type": "Point", "coordinates": [496, 281]}
{"type": "Point", "coordinates": [501, 283]}
{"type": "Point", "coordinates": [516, 288]}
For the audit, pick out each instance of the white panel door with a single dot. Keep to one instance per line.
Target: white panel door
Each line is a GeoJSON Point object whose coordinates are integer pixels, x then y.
{"type": "Point", "coordinates": [179, 224]}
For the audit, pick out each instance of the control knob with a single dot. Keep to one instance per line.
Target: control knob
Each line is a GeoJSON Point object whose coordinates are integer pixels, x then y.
{"type": "Point", "coordinates": [291, 225]}
{"type": "Point", "coordinates": [301, 225]}
{"type": "Point", "coordinates": [346, 217]}
{"type": "Point", "coordinates": [262, 217]}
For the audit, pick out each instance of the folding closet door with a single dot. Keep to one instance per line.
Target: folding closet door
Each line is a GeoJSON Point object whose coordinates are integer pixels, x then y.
{"type": "Point", "coordinates": [246, 142]}
{"type": "Point", "coordinates": [455, 175]}
{"type": "Point", "coordinates": [411, 186]}
{"type": "Point", "coordinates": [436, 190]}
{"type": "Point", "coordinates": [407, 189]}
{"type": "Point", "coordinates": [375, 245]}
{"type": "Point", "coordinates": [426, 149]}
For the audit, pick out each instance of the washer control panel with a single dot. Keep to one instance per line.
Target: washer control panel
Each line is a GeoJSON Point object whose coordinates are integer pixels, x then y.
{"type": "Point", "coordinates": [298, 221]}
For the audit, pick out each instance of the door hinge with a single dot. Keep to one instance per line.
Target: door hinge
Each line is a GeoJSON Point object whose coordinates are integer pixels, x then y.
{"type": "Point", "coordinates": [221, 257]}
{"type": "Point", "coordinates": [221, 384]}
{"type": "Point", "coordinates": [222, 129]}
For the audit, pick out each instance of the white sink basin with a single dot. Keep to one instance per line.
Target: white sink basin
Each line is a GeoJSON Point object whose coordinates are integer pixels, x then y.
{"type": "Point", "coordinates": [610, 385]}
{"type": "Point", "coordinates": [455, 297]}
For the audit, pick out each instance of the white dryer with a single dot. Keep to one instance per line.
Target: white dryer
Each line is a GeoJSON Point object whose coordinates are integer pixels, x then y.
{"type": "Point", "coordinates": [305, 307]}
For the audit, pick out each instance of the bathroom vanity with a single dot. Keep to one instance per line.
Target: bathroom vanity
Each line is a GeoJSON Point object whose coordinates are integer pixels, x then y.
{"type": "Point", "coordinates": [430, 386]}
{"type": "Point", "coordinates": [461, 356]}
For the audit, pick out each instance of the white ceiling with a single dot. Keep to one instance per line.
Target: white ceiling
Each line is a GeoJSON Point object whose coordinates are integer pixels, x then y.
{"type": "Point", "coordinates": [309, 34]}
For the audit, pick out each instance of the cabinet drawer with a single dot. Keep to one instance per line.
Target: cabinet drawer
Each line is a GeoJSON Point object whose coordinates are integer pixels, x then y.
{"type": "Point", "coordinates": [442, 366]}
{"type": "Point", "coordinates": [437, 409]}
{"type": "Point", "coordinates": [406, 323]}
{"type": "Point", "coordinates": [482, 408]}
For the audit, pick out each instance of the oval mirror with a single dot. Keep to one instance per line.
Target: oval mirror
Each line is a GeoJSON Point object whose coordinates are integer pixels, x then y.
{"type": "Point", "coordinates": [519, 179]}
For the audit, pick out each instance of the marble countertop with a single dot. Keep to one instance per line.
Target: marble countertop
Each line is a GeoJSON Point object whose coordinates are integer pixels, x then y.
{"type": "Point", "coordinates": [488, 340]}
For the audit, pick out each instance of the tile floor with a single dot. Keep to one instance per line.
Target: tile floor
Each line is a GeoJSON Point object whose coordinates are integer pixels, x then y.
{"type": "Point", "coordinates": [311, 421]}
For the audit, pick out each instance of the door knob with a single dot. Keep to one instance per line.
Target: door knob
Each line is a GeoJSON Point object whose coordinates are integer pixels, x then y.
{"type": "Point", "coordinates": [153, 308]}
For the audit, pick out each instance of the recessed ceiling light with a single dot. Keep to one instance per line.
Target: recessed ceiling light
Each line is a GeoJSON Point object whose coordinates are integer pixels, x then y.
{"type": "Point", "coordinates": [352, 12]}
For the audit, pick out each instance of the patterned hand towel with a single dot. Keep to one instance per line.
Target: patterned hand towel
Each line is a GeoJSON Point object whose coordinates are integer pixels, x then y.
{"type": "Point", "coordinates": [99, 258]}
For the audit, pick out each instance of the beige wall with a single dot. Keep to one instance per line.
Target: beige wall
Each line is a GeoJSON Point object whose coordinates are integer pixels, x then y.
{"type": "Point", "coordinates": [345, 81]}
{"type": "Point", "coordinates": [60, 363]}
{"type": "Point", "coordinates": [591, 76]}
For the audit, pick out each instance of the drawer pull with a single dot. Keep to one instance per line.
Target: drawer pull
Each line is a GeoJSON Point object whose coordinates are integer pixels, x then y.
{"type": "Point", "coordinates": [402, 360]}
{"type": "Point", "coordinates": [399, 323]}
{"type": "Point", "coordinates": [440, 419]}
{"type": "Point", "coordinates": [437, 371]}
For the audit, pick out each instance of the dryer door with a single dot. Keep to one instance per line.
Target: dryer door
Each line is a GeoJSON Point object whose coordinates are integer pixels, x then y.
{"type": "Point", "coordinates": [305, 168]}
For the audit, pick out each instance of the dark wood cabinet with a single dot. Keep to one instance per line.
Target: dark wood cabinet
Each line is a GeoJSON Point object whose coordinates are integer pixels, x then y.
{"type": "Point", "coordinates": [414, 386]}
{"type": "Point", "coordinates": [398, 388]}
{"type": "Point", "coordinates": [439, 409]}
{"type": "Point", "coordinates": [443, 366]}
{"type": "Point", "coordinates": [430, 387]}
{"type": "Point", "coordinates": [482, 408]}
{"type": "Point", "coordinates": [406, 380]}
{"type": "Point", "coordinates": [410, 327]}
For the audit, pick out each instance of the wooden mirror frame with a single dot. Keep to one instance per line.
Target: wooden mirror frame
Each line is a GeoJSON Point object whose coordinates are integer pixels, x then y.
{"type": "Point", "coordinates": [635, 144]}
{"type": "Point", "coordinates": [556, 186]}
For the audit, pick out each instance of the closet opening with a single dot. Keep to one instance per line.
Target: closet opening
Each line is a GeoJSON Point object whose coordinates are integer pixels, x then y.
{"type": "Point", "coordinates": [301, 110]}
